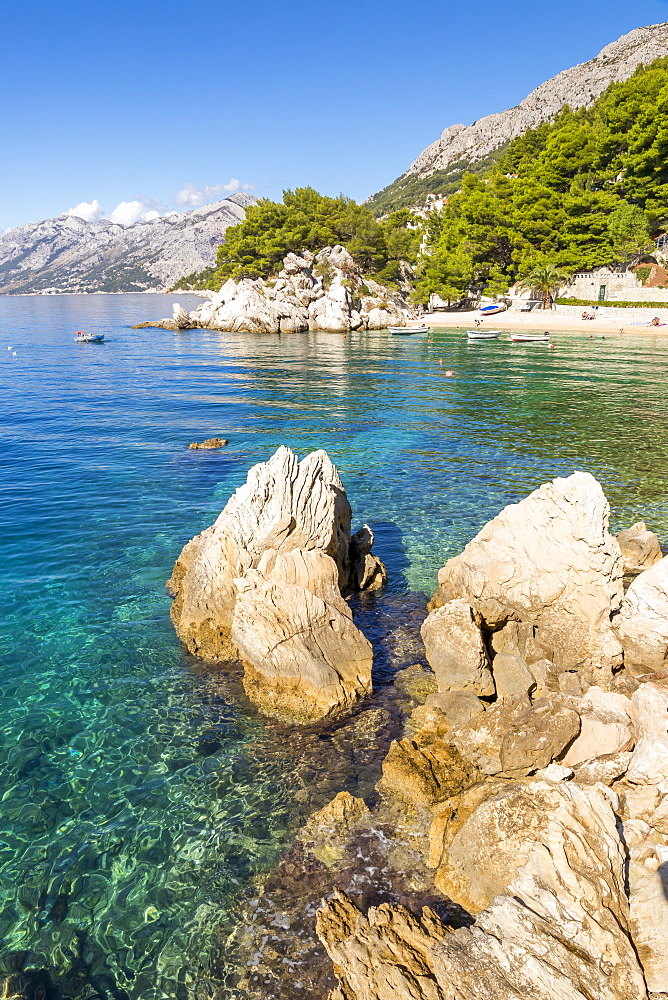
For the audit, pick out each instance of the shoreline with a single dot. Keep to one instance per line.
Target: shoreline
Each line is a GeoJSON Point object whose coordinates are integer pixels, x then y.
{"type": "Point", "coordinates": [551, 320]}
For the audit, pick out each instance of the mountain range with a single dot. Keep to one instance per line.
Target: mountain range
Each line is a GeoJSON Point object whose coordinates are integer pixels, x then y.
{"type": "Point", "coordinates": [68, 254]}
{"type": "Point", "coordinates": [439, 168]}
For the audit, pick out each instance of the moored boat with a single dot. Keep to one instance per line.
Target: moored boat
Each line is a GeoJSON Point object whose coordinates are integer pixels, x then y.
{"type": "Point", "coordinates": [530, 338]}
{"type": "Point", "coordinates": [408, 331]}
{"type": "Point", "coordinates": [88, 338]}
{"type": "Point", "coordinates": [483, 334]}
{"type": "Point", "coordinates": [493, 307]}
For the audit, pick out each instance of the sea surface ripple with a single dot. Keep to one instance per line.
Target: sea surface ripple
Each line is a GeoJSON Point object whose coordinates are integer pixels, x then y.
{"type": "Point", "coordinates": [140, 794]}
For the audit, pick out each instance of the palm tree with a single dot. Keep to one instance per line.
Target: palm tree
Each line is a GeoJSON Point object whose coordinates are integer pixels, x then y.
{"type": "Point", "coordinates": [546, 279]}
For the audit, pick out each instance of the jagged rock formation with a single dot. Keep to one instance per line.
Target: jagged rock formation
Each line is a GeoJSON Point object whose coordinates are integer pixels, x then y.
{"type": "Point", "coordinates": [548, 562]}
{"type": "Point", "coordinates": [264, 584]}
{"type": "Point", "coordinates": [579, 86]}
{"type": "Point", "coordinates": [67, 254]}
{"type": "Point", "coordinates": [540, 799]}
{"type": "Point", "coordinates": [540, 807]}
{"type": "Point", "coordinates": [323, 291]}
{"type": "Point", "coordinates": [559, 932]}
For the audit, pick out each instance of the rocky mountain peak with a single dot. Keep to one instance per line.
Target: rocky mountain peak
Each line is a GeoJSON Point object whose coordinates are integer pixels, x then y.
{"type": "Point", "coordinates": [69, 254]}
{"type": "Point", "coordinates": [578, 87]}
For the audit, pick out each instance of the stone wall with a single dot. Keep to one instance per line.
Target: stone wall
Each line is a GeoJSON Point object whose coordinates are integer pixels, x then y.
{"type": "Point", "coordinates": [620, 286]}
{"type": "Point", "coordinates": [625, 317]}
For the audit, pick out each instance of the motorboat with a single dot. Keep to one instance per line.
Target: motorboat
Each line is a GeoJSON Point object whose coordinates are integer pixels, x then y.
{"type": "Point", "coordinates": [88, 338]}
{"type": "Point", "coordinates": [408, 331]}
{"type": "Point", "coordinates": [530, 338]}
{"type": "Point", "coordinates": [483, 334]}
{"type": "Point", "coordinates": [493, 307]}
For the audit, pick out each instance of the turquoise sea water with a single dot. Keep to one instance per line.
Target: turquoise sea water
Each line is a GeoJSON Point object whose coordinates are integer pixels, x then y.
{"type": "Point", "coordinates": [139, 793]}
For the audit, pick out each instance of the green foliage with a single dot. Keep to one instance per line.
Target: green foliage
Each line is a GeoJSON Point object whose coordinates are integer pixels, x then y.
{"type": "Point", "coordinates": [583, 191]}
{"type": "Point", "coordinates": [629, 230]}
{"type": "Point", "coordinates": [609, 302]}
{"type": "Point", "coordinates": [196, 281]}
{"type": "Point", "coordinates": [307, 220]}
{"type": "Point", "coordinates": [410, 190]}
{"type": "Point", "coordinates": [546, 279]}
{"type": "Point", "coordinates": [643, 273]}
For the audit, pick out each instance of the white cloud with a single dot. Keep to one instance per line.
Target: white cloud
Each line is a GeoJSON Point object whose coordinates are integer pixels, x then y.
{"type": "Point", "coordinates": [191, 196]}
{"type": "Point", "coordinates": [90, 211]}
{"type": "Point", "coordinates": [127, 213]}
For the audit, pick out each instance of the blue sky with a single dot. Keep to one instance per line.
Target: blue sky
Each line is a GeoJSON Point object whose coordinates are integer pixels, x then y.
{"type": "Point", "coordinates": [155, 102]}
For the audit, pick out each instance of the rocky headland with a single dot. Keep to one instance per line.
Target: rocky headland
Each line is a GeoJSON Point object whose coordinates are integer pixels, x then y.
{"type": "Point", "coordinates": [515, 844]}
{"type": "Point", "coordinates": [323, 291]}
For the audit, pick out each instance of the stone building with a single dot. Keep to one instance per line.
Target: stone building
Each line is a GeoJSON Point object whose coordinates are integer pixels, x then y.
{"type": "Point", "coordinates": [641, 281]}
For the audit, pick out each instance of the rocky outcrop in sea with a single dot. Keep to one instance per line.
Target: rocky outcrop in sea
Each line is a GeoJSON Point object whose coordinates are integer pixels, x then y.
{"type": "Point", "coordinates": [516, 842]}
{"type": "Point", "coordinates": [324, 291]}
{"type": "Point", "coordinates": [265, 585]}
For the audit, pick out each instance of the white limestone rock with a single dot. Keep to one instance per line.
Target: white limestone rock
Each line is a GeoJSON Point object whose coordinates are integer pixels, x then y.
{"type": "Point", "coordinates": [605, 719]}
{"type": "Point", "coordinates": [69, 254]}
{"type": "Point", "coordinates": [456, 707]}
{"type": "Point", "coordinates": [456, 649]}
{"type": "Point", "coordinates": [511, 675]}
{"type": "Point", "coordinates": [333, 313]}
{"type": "Point", "coordinates": [367, 572]}
{"type": "Point", "coordinates": [642, 623]}
{"type": "Point", "coordinates": [549, 561]}
{"type": "Point", "coordinates": [648, 905]}
{"type": "Point", "coordinates": [316, 292]}
{"type": "Point", "coordinates": [181, 318]}
{"type": "Point", "coordinates": [604, 769]}
{"type": "Point", "coordinates": [264, 584]}
{"type": "Point", "coordinates": [649, 714]}
{"type": "Point", "coordinates": [483, 856]}
{"type": "Point", "coordinates": [304, 658]}
{"type": "Point", "coordinates": [480, 739]}
{"type": "Point", "coordinates": [577, 87]}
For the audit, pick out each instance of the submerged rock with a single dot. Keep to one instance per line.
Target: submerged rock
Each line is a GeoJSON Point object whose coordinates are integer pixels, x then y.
{"type": "Point", "coordinates": [327, 830]}
{"type": "Point", "coordinates": [551, 562]}
{"type": "Point", "coordinates": [265, 584]}
{"type": "Point", "coordinates": [210, 443]}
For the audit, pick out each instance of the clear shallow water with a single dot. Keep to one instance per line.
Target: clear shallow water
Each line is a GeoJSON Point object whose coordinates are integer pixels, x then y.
{"type": "Point", "coordinates": [138, 794]}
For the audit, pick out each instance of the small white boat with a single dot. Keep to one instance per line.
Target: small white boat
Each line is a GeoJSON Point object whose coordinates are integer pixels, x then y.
{"type": "Point", "coordinates": [483, 334]}
{"type": "Point", "coordinates": [493, 307]}
{"type": "Point", "coordinates": [407, 331]}
{"type": "Point", "coordinates": [88, 338]}
{"type": "Point", "coordinates": [530, 338]}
